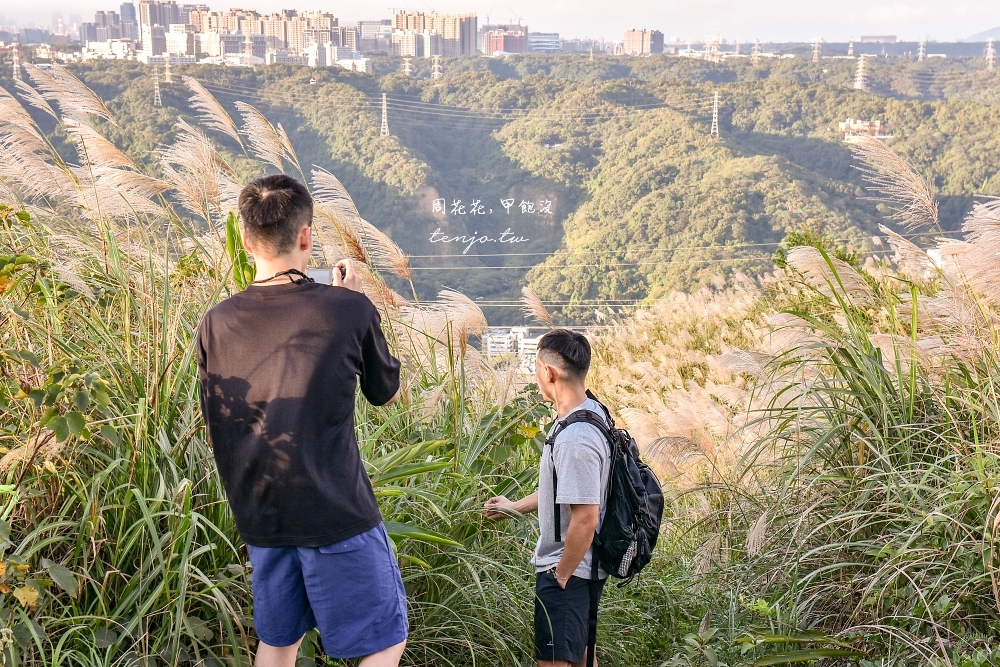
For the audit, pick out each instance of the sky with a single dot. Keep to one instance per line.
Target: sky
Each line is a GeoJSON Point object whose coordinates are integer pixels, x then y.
{"type": "Point", "coordinates": [767, 20]}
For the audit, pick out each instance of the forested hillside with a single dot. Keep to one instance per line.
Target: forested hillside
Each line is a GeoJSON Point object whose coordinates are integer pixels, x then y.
{"type": "Point", "coordinates": [596, 182]}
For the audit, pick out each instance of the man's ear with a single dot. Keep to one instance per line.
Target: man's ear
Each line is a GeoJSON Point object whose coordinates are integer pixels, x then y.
{"type": "Point", "coordinates": [550, 373]}
{"type": "Point", "coordinates": [246, 241]}
{"type": "Point", "coordinates": [305, 238]}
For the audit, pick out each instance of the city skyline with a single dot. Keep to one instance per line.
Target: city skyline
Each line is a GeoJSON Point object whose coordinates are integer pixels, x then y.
{"type": "Point", "coordinates": [768, 20]}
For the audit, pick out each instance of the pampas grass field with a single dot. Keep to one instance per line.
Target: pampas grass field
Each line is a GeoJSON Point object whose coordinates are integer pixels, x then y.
{"type": "Point", "coordinates": [827, 433]}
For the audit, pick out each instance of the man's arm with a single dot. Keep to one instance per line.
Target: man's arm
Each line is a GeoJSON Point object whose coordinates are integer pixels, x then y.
{"type": "Point", "coordinates": [500, 507]}
{"type": "Point", "coordinates": [379, 377]}
{"type": "Point", "coordinates": [583, 522]}
{"type": "Point", "coordinates": [395, 397]}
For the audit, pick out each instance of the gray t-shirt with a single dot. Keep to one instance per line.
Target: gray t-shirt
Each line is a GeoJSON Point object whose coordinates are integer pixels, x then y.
{"type": "Point", "coordinates": [580, 455]}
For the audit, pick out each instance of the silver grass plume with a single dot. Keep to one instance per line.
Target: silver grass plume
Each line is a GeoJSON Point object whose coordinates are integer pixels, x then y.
{"type": "Point", "coordinates": [383, 251]}
{"type": "Point", "coordinates": [328, 189]}
{"type": "Point", "coordinates": [74, 99]}
{"type": "Point", "coordinates": [334, 232]}
{"type": "Point", "coordinates": [532, 306]}
{"type": "Point", "coordinates": [982, 225]}
{"type": "Point", "coordinates": [379, 249]}
{"type": "Point", "coordinates": [211, 114]}
{"type": "Point", "coordinates": [36, 178]}
{"type": "Point", "coordinates": [18, 128]}
{"type": "Point", "coordinates": [116, 193]}
{"type": "Point", "coordinates": [34, 98]}
{"type": "Point", "coordinates": [897, 183]}
{"type": "Point", "coordinates": [817, 272]}
{"type": "Point", "coordinates": [287, 145]}
{"type": "Point", "coordinates": [265, 141]}
{"type": "Point", "coordinates": [197, 173]}
{"type": "Point", "coordinates": [756, 536]}
{"type": "Point", "coordinates": [466, 317]}
{"type": "Point", "coordinates": [93, 148]}
{"type": "Point", "coordinates": [912, 262]}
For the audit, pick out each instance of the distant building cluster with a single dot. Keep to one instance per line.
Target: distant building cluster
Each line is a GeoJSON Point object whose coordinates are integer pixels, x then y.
{"type": "Point", "coordinates": [165, 32]}
{"type": "Point", "coordinates": [514, 342]}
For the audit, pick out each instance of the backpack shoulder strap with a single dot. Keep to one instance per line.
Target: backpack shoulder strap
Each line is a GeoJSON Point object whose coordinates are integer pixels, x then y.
{"type": "Point", "coordinates": [604, 408]}
{"type": "Point", "coordinates": [580, 416]}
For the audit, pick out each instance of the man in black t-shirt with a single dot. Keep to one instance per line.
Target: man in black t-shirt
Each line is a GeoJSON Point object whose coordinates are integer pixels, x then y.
{"type": "Point", "coordinates": [279, 365]}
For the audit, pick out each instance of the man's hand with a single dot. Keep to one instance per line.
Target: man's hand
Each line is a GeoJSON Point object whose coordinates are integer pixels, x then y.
{"type": "Point", "coordinates": [500, 507]}
{"type": "Point", "coordinates": [344, 275]}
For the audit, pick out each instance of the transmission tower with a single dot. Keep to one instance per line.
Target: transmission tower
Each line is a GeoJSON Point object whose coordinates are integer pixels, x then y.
{"type": "Point", "coordinates": [755, 54]}
{"type": "Point", "coordinates": [156, 87]}
{"type": "Point", "coordinates": [166, 72]}
{"type": "Point", "coordinates": [850, 49]}
{"type": "Point", "coordinates": [816, 51]}
{"type": "Point", "coordinates": [860, 82]}
{"type": "Point", "coordinates": [715, 116]}
{"type": "Point", "coordinates": [407, 68]}
{"type": "Point", "coordinates": [385, 117]}
{"type": "Point", "coordinates": [17, 65]}
{"type": "Point", "coordinates": [991, 55]}
{"type": "Point", "coordinates": [689, 49]}
{"type": "Point", "coordinates": [921, 52]}
{"type": "Point", "coordinates": [436, 74]}
{"type": "Point", "coordinates": [591, 51]}
{"type": "Point", "coordinates": [737, 47]}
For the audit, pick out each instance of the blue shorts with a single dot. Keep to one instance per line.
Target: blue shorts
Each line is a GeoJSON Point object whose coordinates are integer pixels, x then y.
{"type": "Point", "coordinates": [351, 590]}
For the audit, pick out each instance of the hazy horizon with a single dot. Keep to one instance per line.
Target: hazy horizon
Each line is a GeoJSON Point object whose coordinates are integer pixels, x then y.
{"type": "Point", "coordinates": [767, 20]}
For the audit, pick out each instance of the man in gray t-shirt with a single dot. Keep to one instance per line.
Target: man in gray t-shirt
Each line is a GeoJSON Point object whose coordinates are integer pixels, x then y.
{"type": "Point", "coordinates": [567, 593]}
{"type": "Point", "coordinates": [579, 456]}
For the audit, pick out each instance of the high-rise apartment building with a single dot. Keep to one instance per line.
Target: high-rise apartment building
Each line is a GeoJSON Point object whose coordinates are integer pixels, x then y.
{"type": "Point", "coordinates": [642, 42]}
{"type": "Point", "coordinates": [375, 36]}
{"type": "Point", "coordinates": [158, 12]}
{"type": "Point", "coordinates": [457, 31]}
{"type": "Point", "coordinates": [505, 39]}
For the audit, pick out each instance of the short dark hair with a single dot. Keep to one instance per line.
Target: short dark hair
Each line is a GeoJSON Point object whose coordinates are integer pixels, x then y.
{"type": "Point", "coordinates": [572, 350]}
{"type": "Point", "coordinates": [274, 209]}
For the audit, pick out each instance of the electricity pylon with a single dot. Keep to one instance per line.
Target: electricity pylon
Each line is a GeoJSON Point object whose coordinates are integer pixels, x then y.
{"type": "Point", "coordinates": [850, 48]}
{"type": "Point", "coordinates": [385, 117]}
{"type": "Point", "coordinates": [755, 54]}
{"type": "Point", "coordinates": [991, 55]}
{"type": "Point", "coordinates": [17, 65]}
{"type": "Point", "coordinates": [816, 51]}
{"type": "Point", "coordinates": [407, 68]}
{"type": "Point", "coordinates": [715, 116]}
{"type": "Point", "coordinates": [860, 81]}
{"type": "Point", "coordinates": [921, 52]}
{"type": "Point", "coordinates": [166, 72]}
{"type": "Point", "coordinates": [436, 74]}
{"type": "Point", "coordinates": [156, 87]}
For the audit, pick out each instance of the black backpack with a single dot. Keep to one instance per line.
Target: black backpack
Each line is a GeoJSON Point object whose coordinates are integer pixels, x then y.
{"type": "Point", "coordinates": [634, 501]}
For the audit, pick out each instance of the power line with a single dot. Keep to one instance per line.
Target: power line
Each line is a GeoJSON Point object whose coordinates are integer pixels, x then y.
{"type": "Point", "coordinates": [723, 260]}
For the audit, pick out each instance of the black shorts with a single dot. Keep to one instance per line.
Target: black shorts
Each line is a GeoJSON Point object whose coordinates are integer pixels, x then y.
{"type": "Point", "coordinates": [562, 616]}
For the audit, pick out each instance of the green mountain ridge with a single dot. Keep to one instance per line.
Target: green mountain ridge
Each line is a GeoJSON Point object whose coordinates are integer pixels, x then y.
{"type": "Point", "coordinates": [604, 168]}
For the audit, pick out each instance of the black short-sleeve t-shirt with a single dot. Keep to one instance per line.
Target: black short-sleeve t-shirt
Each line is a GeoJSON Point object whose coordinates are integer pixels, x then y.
{"type": "Point", "coordinates": [279, 369]}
